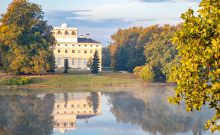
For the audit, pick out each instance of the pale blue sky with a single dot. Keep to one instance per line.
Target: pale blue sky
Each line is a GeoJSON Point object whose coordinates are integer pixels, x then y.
{"type": "Point", "coordinates": [101, 18]}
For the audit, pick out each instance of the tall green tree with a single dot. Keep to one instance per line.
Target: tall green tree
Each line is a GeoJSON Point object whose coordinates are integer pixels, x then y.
{"type": "Point", "coordinates": [198, 72]}
{"type": "Point", "coordinates": [26, 39]}
{"type": "Point", "coordinates": [95, 63]}
{"type": "Point", "coordinates": [106, 59]}
{"type": "Point", "coordinates": [122, 58]}
{"type": "Point", "coordinates": [66, 66]}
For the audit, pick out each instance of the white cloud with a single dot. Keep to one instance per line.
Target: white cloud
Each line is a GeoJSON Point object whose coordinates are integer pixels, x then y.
{"type": "Point", "coordinates": [134, 11]}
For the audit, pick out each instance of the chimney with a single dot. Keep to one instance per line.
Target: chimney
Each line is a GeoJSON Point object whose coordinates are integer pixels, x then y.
{"type": "Point", "coordinates": [87, 36]}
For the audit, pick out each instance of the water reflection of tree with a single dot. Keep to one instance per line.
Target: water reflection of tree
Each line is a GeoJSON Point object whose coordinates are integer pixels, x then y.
{"type": "Point", "coordinates": [28, 115]}
{"type": "Point", "coordinates": [149, 110]}
{"type": "Point", "coordinates": [93, 101]}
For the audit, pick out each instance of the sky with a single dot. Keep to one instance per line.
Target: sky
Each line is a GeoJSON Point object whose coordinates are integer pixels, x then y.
{"type": "Point", "coordinates": [102, 18]}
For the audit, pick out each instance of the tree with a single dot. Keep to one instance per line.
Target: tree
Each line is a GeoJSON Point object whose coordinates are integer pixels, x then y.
{"type": "Point", "coordinates": [145, 72]}
{"type": "Point", "coordinates": [66, 66]}
{"type": "Point", "coordinates": [106, 60]}
{"type": "Point", "coordinates": [132, 40]}
{"type": "Point", "coordinates": [160, 54]}
{"type": "Point", "coordinates": [198, 71]}
{"type": "Point", "coordinates": [124, 41]}
{"type": "Point", "coordinates": [95, 63]}
{"type": "Point", "coordinates": [0, 58]}
{"type": "Point", "coordinates": [122, 58]}
{"type": "Point", "coordinates": [26, 39]}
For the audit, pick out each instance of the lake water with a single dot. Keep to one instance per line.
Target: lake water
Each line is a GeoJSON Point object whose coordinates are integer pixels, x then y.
{"type": "Point", "coordinates": [141, 111]}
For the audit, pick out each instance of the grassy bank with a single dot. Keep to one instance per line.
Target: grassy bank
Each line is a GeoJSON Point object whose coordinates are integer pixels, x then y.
{"type": "Point", "coordinates": [78, 79]}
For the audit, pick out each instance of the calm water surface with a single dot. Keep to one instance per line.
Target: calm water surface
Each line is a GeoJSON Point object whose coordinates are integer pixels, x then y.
{"type": "Point", "coordinates": [142, 111]}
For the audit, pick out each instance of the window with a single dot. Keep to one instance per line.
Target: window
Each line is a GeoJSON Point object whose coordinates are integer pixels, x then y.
{"type": "Point", "coordinates": [65, 105]}
{"type": "Point", "coordinates": [71, 124]}
{"type": "Point", "coordinates": [65, 44]}
{"type": "Point", "coordinates": [73, 51]}
{"type": "Point", "coordinates": [72, 105]}
{"type": "Point", "coordinates": [85, 62]}
{"type": "Point", "coordinates": [73, 33]}
{"type": "Point", "coordinates": [58, 51]}
{"type": "Point", "coordinates": [90, 45]}
{"type": "Point", "coordinates": [96, 45]}
{"type": "Point", "coordinates": [66, 33]}
{"type": "Point", "coordinates": [78, 51]}
{"type": "Point", "coordinates": [73, 62]}
{"type": "Point", "coordinates": [91, 51]}
{"type": "Point", "coordinates": [66, 51]}
{"type": "Point", "coordinates": [58, 124]}
{"type": "Point", "coordinates": [85, 45]}
{"type": "Point", "coordinates": [59, 32]}
{"type": "Point", "coordinates": [65, 124]}
{"type": "Point", "coordinates": [73, 45]}
{"type": "Point", "coordinates": [85, 51]}
{"type": "Point", "coordinates": [58, 45]}
{"type": "Point", "coordinates": [58, 106]}
{"type": "Point", "coordinates": [78, 105]}
{"type": "Point", "coordinates": [79, 45]}
{"type": "Point", "coordinates": [58, 61]}
{"type": "Point", "coordinates": [84, 105]}
{"type": "Point", "coordinates": [78, 62]}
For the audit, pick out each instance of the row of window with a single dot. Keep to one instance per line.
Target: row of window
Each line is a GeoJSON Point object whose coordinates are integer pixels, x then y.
{"type": "Point", "coordinates": [72, 105]}
{"type": "Point", "coordinates": [75, 61]}
{"type": "Point", "coordinates": [74, 51]}
{"type": "Point", "coordinates": [65, 124]}
{"type": "Point", "coordinates": [79, 45]}
{"type": "Point", "coordinates": [65, 32]}
{"type": "Point", "coordinates": [72, 112]}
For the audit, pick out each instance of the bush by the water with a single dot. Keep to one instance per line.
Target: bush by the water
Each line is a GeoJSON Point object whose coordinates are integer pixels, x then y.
{"type": "Point", "coordinates": [144, 72]}
{"type": "Point", "coordinates": [17, 81]}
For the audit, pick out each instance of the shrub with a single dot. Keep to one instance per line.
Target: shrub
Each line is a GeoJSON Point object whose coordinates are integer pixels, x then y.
{"type": "Point", "coordinates": [144, 72]}
{"type": "Point", "coordinates": [17, 81]}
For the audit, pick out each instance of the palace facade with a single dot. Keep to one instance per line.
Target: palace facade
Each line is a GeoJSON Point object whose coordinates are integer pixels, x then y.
{"type": "Point", "coordinates": [77, 50]}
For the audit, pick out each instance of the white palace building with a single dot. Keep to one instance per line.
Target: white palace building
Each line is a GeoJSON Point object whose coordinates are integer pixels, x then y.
{"type": "Point", "coordinates": [77, 49]}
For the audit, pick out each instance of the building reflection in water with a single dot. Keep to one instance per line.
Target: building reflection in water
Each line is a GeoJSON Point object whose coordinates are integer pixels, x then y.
{"type": "Point", "coordinates": [69, 107]}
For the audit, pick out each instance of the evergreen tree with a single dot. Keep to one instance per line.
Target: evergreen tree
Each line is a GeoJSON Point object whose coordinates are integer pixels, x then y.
{"type": "Point", "coordinates": [26, 39]}
{"type": "Point", "coordinates": [95, 63]}
{"type": "Point", "coordinates": [66, 66]}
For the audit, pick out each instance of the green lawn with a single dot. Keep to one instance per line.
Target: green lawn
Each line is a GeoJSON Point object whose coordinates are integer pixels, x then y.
{"type": "Point", "coordinates": [81, 78]}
